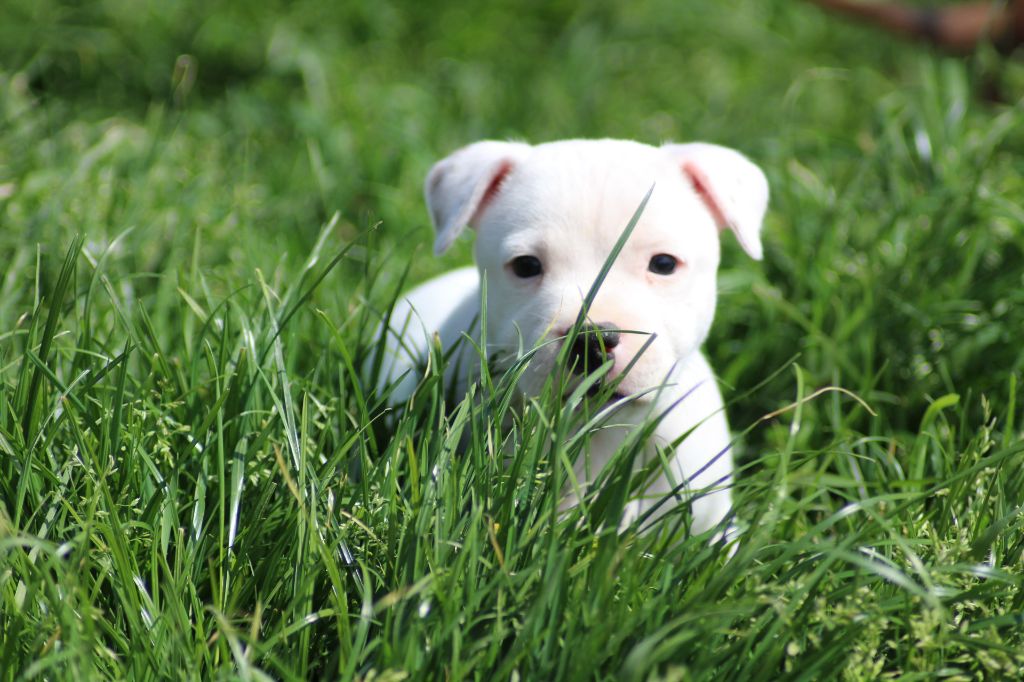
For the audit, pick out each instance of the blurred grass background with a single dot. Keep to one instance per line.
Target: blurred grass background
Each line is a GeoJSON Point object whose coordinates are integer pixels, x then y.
{"type": "Point", "coordinates": [200, 148]}
{"type": "Point", "coordinates": [269, 119]}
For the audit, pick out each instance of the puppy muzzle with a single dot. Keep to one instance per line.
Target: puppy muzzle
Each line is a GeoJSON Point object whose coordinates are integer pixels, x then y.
{"type": "Point", "coordinates": [593, 346]}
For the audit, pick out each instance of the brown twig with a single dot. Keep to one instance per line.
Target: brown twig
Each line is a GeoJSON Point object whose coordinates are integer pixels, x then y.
{"type": "Point", "coordinates": [955, 28]}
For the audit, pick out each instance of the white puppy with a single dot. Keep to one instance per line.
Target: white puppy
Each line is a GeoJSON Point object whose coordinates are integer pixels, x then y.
{"type": "Point", "coordinates": [546, 218]}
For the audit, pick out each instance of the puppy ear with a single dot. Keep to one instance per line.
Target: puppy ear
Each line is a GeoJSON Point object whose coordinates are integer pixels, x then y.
{"type": "Point", "coordinates": [459, 186]}
{"type": "Point", "coordinates": [734, 190]}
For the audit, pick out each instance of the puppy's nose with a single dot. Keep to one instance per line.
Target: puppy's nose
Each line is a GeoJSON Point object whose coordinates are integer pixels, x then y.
{"type": "Point", "coordinates": [594, 344]}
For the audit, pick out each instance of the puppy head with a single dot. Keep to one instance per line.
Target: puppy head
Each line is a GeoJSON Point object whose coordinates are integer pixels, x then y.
{"type": "Point", "coordinates": [548, 216]}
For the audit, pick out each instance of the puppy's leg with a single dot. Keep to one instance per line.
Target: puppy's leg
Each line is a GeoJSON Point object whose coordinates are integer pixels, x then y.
{"type": "Point", "coordinates": [447, 305]}
{"type": "Point", "coordinates": [703, 460]}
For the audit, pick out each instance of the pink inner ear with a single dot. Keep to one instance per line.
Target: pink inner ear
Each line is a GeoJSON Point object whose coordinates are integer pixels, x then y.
{"type": "Point", "coordinates": [702, 186]}
{"type": "Point", "coordinates": [493, 188]}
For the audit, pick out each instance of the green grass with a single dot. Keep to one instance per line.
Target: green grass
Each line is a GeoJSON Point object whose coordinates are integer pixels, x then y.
{"type": "Point", "coordinates": [204, 215]}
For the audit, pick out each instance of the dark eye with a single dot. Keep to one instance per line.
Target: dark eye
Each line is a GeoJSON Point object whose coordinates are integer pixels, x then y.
{"type": "Point", "coordinates": [663, 264]}
{"type": "Point", "coordinates": [526, 267]}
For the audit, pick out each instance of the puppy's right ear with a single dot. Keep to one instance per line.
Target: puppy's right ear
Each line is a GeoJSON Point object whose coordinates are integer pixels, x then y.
{"type": "Point", "coordinates": [459, 186]}
{"type": "Point", "coordinates": [732, 188]}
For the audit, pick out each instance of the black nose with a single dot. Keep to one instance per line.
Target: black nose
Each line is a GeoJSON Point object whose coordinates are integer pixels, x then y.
{"type": "Point", "coordinates": [594, 344]}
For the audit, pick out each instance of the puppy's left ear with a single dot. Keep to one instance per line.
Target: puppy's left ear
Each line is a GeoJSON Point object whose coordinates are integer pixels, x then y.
{"type": "Point", "coordinates": [734, 190]}
{"type": "Point", "coordinates": [459, 187]}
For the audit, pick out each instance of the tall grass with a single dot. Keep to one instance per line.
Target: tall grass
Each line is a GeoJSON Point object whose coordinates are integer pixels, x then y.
{"type": "Point", "coordinates": [197, 480]}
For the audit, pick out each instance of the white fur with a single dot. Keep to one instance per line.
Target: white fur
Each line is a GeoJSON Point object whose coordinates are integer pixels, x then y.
{"type": "Point", "coordinates": [567, 203]}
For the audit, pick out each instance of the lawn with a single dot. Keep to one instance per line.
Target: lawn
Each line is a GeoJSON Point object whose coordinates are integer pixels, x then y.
{"type": "Point", "coordinates": [206, 209]}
